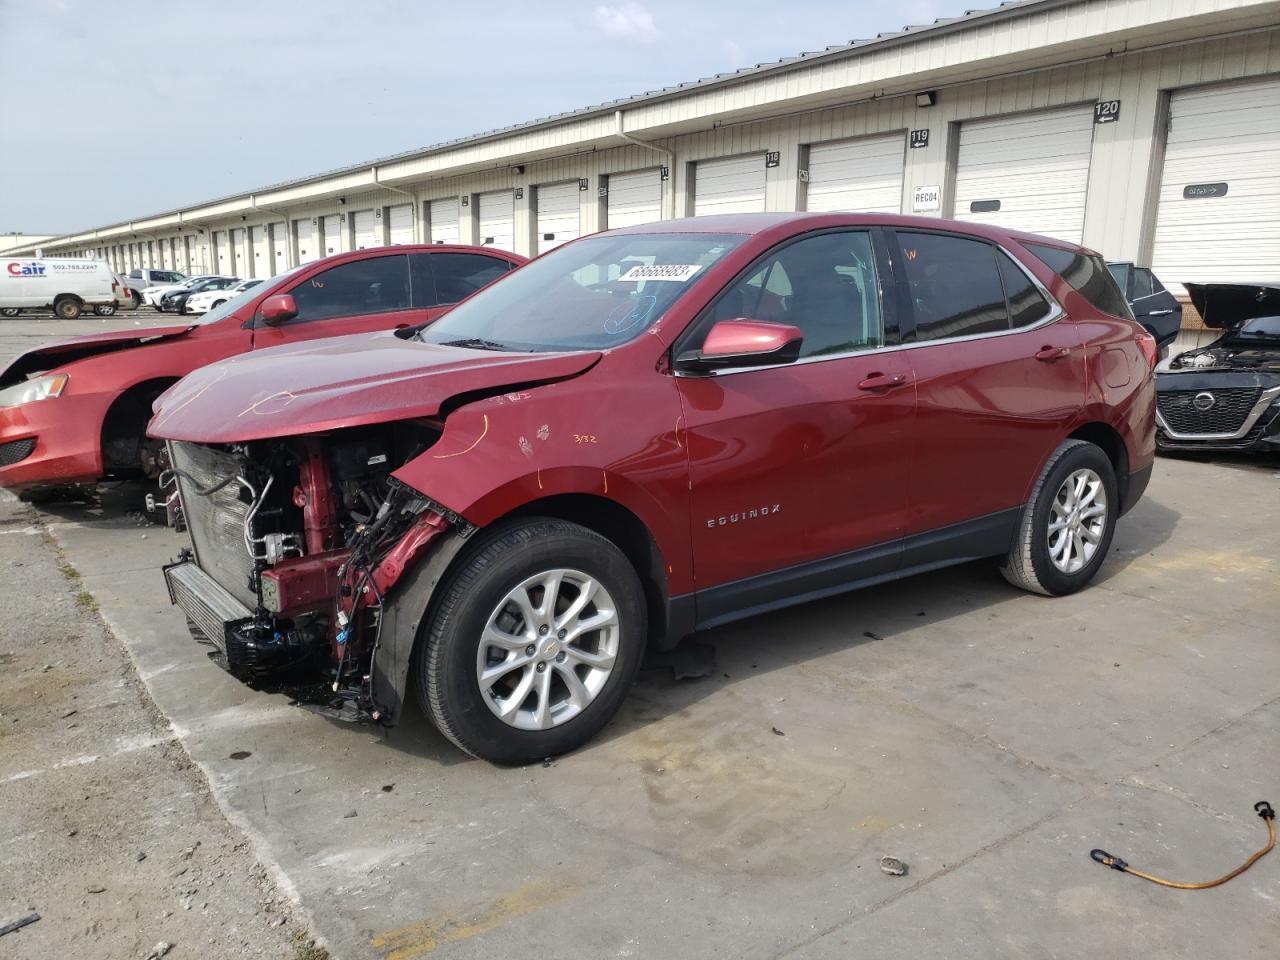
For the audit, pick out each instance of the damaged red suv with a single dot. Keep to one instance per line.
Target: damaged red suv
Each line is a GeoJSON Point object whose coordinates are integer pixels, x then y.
{"type": "Point", "coordinates": [75, 412]}
{"type": "Point", "coordinates": [645, 433]}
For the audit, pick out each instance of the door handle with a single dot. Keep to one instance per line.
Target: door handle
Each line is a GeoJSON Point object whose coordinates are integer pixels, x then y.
{"type": "Point", "coordinates": [1050, 354]}
{"type": "Point", "coordinates": [882, 381]}
{"type": "Point", "coordinates": [1159, 313]}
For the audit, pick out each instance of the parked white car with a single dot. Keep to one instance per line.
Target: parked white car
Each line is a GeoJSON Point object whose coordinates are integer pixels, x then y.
{"type": "Point", "coordinates": [151, 295]}
{"type": "Point", "coordinates": [208, 300]}
{"type": "Point", "coordinates": [68, 285]}
{"type": "Point", "coordinates": [140, 278]}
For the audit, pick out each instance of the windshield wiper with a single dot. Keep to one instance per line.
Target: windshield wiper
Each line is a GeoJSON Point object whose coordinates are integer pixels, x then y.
{"type": "Point", "coordinates": [475, 343]}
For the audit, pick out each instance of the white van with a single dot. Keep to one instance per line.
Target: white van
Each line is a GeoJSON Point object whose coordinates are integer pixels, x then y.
{"type": "Point", "coordinates": [68, 285]}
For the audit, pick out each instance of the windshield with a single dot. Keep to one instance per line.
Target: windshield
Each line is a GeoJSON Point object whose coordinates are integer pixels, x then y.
{"type": "Point", "coordinates": [239, 300]}
{"type": "Point", "coordinates": [1266, 327]}
{"type": "Point", "coordinates": [590, 295]}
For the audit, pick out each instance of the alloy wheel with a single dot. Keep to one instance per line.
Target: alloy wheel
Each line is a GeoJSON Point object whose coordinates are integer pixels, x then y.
{"type": "Point", "coordinates": [548, 649]}
{"type": "Point", "coordinates": [1077, 520]}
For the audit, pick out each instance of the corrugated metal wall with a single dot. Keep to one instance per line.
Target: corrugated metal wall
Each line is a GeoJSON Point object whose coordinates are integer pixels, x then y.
{"type": "Point", "coordinates": [1124, 168]}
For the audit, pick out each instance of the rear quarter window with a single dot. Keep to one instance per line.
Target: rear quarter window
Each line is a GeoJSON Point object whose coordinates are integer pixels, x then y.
{"type": "Point", "coordinates": [1087, 274]}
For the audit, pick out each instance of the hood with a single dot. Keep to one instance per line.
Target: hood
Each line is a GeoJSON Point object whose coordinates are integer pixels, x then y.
{"type": "Point", "coordinates": [1226, 305]}
{"type": "Point", "coordinates": [61, 352]}
{"type": "Point", "coordinates": [342, 382]}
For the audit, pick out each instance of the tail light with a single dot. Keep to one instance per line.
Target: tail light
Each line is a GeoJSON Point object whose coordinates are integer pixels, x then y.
{"type": "Point", "coordinates": [1147, 344]}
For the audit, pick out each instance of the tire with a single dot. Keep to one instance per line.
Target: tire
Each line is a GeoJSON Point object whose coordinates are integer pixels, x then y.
{"type": "Point", "coordinates": [10, 311]}
{"type": "Point", "coordinates": [182, 308]}
{"type": "Point", "coordinates": [476, 599]}
{"type": "Point", "coordinates": [1031, 563]}
{"type": "Point", "coordinates": [137, 300]}
{"type": "Point", "coordinates": [67, 308]}
{"type": "Point", "coordinates": [105, 309]}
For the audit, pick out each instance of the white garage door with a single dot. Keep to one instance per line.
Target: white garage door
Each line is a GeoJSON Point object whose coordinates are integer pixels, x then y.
{"type": "Point", "coordinates": [240, 250]}
{"type": "Point", "coordinates": [365, 237]}
{"type": "Point", "coordinates": [559, 215]}
{"type": "Point", "coordinates": [497, 216]}
{"type": "Point", "coordinates": [733, 185]}
{"type": "Point", "coordinates": [223, 262]}
{"type": "Point", "coordinates": [304, 232]}
{"type": "Point", "coordinates": [261, 251]}
{"type": "Point", "coordinates": [1219, 213]}
{"type": "Point", "coordinates": [331, 228]}
{"type": "Point", "coordinates": [634, 198]}
{"type": "Point", "coordinates": [1028, 172]}
{"type": "Point", "coordinates": [443, 217]}
{"type": "Point", "coordinates": [400, 223]}
{"type": "Point", "coordinates": [280, 247]}
{"type": "Point", "coordinates": [863, 175]}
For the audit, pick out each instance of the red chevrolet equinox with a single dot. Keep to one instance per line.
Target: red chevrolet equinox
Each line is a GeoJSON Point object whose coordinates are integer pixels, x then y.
{"type": "Point", "coordinates": [645, 433]}
{"type": "Point", "coordinates": [76, 411]}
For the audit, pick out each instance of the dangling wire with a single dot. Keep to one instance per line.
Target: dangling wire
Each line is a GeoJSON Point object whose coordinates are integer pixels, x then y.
{"type": "Point", "coordinates": [1264, 811]}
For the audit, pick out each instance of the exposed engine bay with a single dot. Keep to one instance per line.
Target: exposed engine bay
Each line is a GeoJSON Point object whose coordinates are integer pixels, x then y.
{"type": "Point", "coordinates": [1220, 356]}
{"type": "Point", "coordinates": [301, 540]}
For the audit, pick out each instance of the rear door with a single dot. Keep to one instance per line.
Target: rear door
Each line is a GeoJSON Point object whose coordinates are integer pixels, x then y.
{"type": "Point", "coordinates": [1154, 307]}
{"type": "Point", "coordinates": [358, 296]}
{"type": "Point", "coordinates": [796, 468]}
{"type": "Point", "coordinates": [999, 372]}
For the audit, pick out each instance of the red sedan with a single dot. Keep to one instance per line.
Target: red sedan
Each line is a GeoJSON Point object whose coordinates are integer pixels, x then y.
{"type": "Point", "coordinates": [648, 432]}
{"type": "Point", "coordinates": [75, 412]}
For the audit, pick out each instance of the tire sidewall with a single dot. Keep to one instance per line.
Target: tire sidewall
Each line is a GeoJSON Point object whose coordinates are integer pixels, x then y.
{"type": "Point", "coordinates": [455, 628]}
{"type": "Point", "coordinates": [1055, 581]}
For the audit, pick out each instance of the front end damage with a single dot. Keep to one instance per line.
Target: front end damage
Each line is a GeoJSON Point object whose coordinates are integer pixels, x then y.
{"type": "Point", "coordinates": [299, 550]}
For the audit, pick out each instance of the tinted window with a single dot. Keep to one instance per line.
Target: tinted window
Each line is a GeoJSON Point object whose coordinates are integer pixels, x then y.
{"type": "Point", "coordinates": [953, 285]}
{"type": "Point", "coordinates": [375, 285]}
{"type": "Point", "coordinates": [1087, 274]}
{"type": "Point", "coordinates": [1121, 272]}
{"type": "Point", "coordinates": [135, 274]}
{"type": "Point", "coordinates": [1142, 284]}
{"type": "Point", "coordinates": [458, 275]}
{"type": "Point", "coordinates": [1026, 304]}
{"type": "Point", "coordinates": [166, 276]}
{"type": "Point", "coordinates": [825, 285]}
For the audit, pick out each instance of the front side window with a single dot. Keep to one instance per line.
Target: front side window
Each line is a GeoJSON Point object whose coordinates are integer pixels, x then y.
{"type": "Point", "coordinates": [591, 294]}
{"type": "Point", "coordinates": [953, 284]}
{"type": "Point", "coordinates": [1087, 274]}
{"type": "Point", "coordinates": [825, 285]}
{"type": "Point", "coordinates": [373, 285]}
{"type": "Point", "coordinates": [166, 276]}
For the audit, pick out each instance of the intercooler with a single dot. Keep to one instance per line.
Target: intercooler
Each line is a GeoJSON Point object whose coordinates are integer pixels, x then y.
{"type": "Point", "coordinates": [215, 517]}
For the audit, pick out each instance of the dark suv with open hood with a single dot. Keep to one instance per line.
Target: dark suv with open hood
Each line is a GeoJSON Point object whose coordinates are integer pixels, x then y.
{"type": "Point", "coordinates": [1225, 396]}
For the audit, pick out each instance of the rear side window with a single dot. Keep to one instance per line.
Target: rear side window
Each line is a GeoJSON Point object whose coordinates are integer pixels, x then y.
{"type": "Point", "coordinates": [1088, 275]}
{"type": "Point", "coordinates": [953, 284]}
{"type": "Point", "coordinates": [458, 275]}
{"type": "Point", "coordinates": [1026, 304]}
{"type": "Point", "coordinates": [374, 285]}
{"type": "Point", "coordinates": [1142, 284]}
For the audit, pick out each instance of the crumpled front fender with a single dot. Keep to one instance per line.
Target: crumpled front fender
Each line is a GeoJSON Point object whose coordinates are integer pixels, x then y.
{"type": "Point", "coordinates": [403, 619]}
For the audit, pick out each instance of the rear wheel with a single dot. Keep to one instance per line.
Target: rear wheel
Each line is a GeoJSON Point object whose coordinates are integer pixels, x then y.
{"type": "Point", "coordinates": [105, 309]}
{"type": "Point", "coordinates": [10, 311]}
{"type": "Point", "coordinates": [1067, 525]}
{"type": "Point", "coordinates": [533, 642]}
{"type": "Point", "coordinates": [67, 308]}
{"type": "Point", "coordinates": [137, 299]}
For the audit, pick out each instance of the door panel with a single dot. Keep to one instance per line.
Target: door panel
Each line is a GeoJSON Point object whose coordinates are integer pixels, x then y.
{"type": "Point", "coordinates": [806, 461]}
{"type": "Point", "coordinates": [989, 412]}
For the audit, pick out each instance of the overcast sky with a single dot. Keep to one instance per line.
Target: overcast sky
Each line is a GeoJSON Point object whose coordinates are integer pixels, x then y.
{"type": "Point", "coordinates": [115, 110]}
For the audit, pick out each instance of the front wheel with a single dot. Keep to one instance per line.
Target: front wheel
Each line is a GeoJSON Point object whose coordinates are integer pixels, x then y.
{"type": "Point", "coordinates": [105, 309]}
{"type": "Point", "coordinates": [1067, 525]}
{"type": "Point", "coordinates": [10, 311]}
{"type": "Point", "coordinates": [533, 642]}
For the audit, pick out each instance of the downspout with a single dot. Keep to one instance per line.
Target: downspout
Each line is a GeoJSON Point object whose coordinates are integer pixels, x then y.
{"type": "Point", "coordinates": [289, 252]}
{"type": "Point", "coordinates": [413, 207]}
{"type": "Point", "coordinates": [669, 198]}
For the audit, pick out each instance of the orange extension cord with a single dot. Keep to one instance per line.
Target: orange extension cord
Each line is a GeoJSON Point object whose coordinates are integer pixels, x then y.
{"type": "Point", "coordinates": [1264, 811]}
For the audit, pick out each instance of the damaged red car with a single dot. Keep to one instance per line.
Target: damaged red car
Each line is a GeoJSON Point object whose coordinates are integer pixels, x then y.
{"type": "Point", "coordinates": [75, 412]}
{"type": "Point", "coordinates": [645, 433]}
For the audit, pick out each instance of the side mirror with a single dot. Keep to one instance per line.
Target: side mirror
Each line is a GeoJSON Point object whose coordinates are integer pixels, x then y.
{"type": "Point", "coordinates": [743, 343]}
{"type": "Point", "coordinates": [277, 308]}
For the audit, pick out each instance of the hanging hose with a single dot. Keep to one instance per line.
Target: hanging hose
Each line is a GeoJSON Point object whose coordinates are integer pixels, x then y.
{"type": "Point", "coordinates": [1264, 811]}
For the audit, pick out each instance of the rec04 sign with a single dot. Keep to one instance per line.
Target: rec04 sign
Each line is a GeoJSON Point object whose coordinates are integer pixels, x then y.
{"type": "Point", "coordinates": [926, 199]}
